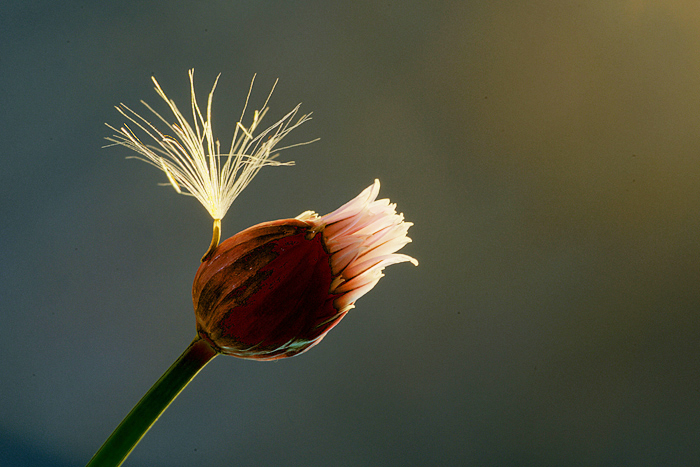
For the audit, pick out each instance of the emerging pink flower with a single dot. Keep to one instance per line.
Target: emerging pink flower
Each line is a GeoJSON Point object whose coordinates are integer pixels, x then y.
{"type": "Point", "coordinates": [275, 289]}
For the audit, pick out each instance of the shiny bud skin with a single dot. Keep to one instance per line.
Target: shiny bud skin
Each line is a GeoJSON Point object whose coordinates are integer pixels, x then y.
{"type": "Point", "coordinates": [275, 289]}
{"type": "Point", "coordinates": [264, 293]}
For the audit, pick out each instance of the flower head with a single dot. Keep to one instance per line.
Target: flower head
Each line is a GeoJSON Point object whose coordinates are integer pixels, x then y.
{"type": "Point", "coordinates": [275, 289]}
{"type": "Point", "coordinates": [191, 157]}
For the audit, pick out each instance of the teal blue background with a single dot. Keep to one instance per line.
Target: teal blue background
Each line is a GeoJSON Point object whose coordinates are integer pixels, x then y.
{"type": "Point", "coordinates": [547, 152]}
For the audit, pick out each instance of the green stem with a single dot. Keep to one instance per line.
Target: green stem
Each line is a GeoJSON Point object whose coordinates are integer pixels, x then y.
{"type": "Point", "coordinates": [130, 431]}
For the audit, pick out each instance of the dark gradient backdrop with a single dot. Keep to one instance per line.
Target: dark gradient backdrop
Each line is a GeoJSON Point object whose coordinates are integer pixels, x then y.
{"type": "Point", "coordinates": [547, 152]}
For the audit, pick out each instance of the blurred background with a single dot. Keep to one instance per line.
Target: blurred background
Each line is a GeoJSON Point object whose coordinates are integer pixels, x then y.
{"type": "Point", "coordinates": [547, 152]}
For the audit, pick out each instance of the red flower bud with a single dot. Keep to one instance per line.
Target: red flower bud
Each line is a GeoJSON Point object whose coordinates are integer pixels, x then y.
{"type": "Point", "coordinates": [275, 289]}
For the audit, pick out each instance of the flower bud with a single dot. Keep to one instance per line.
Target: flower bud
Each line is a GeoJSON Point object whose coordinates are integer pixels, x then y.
{"type": "Point", "coordinates": [275, 289]}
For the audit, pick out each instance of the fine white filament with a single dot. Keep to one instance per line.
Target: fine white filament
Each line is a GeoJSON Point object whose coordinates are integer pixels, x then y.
{"type": "Point", "coordinates": [192, 159]}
